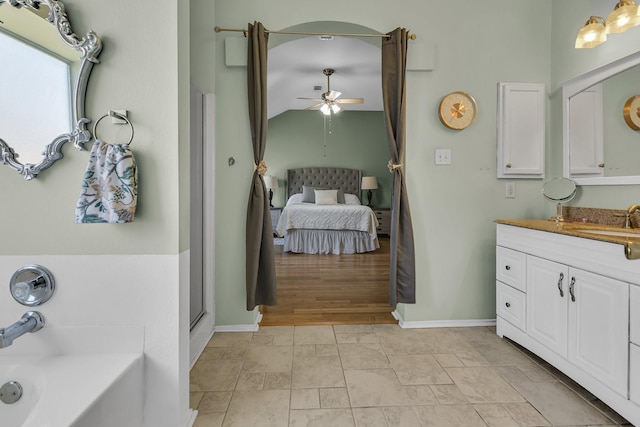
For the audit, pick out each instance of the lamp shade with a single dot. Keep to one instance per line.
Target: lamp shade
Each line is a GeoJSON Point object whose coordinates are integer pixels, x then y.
{"type": "Point", "coordinates": [592, 34]}
{"type": "Point", "coordinates": [271, 181]}
{"type": "Point", "coordinates": [623, 17]}
{"type": "Point", "coordinates": [369, 183]}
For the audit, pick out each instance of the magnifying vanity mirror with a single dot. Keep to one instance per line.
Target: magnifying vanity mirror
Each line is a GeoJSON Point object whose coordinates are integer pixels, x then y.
{"type": "Point", "coordinates": [43, 87]}
{"type": "Point", "coordinates": [599, 147]}
{"type": "Point", "coordinates": [559, 190]}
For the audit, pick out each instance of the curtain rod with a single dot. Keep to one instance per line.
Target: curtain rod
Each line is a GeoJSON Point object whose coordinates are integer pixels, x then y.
{"type": "Point", "coordinates": [307, 33]}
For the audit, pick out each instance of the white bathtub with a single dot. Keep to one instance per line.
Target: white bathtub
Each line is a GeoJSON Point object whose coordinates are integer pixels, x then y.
{"type": "Point", "coordinates": [81, 389]}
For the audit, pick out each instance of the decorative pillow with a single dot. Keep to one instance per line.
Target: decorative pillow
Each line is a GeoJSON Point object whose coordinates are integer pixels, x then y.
{"type": "Point", "coordinates": [351, 199]}
{"type": "Point", "coordinates": [295, 198]}
{"type": "Point", "coordinates": [326, 197]}
{"type": "Point", "coordinates": [341, 197]}
{"type": "Point", "coordinates": [308, 194]}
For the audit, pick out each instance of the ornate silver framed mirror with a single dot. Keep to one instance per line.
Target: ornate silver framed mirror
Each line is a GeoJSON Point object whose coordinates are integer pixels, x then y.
{"type": "Point", "coordinates": [39, 36]}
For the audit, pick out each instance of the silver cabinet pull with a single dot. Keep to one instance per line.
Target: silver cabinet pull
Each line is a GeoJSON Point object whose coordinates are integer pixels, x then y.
{"type": "Point", "coordinates": [571, 286]}
{"type": "Point", "coordinates": [560, 279]}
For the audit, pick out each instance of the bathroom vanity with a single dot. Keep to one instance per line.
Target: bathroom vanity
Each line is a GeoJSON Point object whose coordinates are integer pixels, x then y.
{"type": "Point", "coordinates": [567, 293]}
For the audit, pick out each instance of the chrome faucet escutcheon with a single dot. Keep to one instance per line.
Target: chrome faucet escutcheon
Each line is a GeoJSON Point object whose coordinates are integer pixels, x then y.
{"type": "Point", "coordinates": [31, 321]}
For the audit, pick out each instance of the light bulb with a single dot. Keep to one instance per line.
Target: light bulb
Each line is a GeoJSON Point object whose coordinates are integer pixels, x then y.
{"type": "Point", "coordinates": [325, 109]}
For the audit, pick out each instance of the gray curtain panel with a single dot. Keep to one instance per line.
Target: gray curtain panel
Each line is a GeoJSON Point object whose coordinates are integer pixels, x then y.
{"type": "Point", "coordinates": [261, 271]}
{"type": "Point", "coordinates": [402, 269]}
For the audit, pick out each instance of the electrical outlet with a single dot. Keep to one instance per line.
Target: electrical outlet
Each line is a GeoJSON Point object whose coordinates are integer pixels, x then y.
{"type": "Point", "coordinates": [510, 190]}
{"type": "Point", "coordinates": [443, 156]}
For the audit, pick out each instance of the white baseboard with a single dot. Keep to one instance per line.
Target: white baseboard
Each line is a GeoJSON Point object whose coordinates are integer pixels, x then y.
{"type": "Point", "coordinates": [190, 418]}
{"type": "Point", "coordinates": [441, 323]}
{"type": "Point", "coordinates": [241, 328]}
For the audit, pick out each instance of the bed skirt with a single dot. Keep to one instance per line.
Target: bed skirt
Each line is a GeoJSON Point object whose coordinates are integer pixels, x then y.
{"type": "Point", "coordinates": [329, 241]}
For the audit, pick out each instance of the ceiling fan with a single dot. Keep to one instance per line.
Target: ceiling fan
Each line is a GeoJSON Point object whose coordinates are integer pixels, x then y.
{"type": "Point", "coordinates": [329, 101]}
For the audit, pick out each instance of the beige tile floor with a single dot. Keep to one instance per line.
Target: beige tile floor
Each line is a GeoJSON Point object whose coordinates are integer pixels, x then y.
{"type": "Point", "coordinates": [382, 375]}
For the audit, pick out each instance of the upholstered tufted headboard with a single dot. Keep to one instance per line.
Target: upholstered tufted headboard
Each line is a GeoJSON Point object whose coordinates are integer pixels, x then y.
{"type": "Point", "coordinates": [347, 180]}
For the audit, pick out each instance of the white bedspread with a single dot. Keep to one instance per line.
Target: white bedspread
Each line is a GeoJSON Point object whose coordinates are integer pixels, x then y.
{"type": "Point", "coordinates": [310, 216]}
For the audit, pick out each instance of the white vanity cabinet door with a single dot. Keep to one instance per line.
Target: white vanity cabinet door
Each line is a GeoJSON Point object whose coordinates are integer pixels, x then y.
{"type": "Point", "coordinates": [599, 327]}
{"type": "Point", "coordinates": [521, 130]}
{"type": "Point", "coordinates": [634, 315]}
{"type": "Point", "coordinates": [634, 374]}
{"type": "Point", "coordinates": [511, 267]}
{"type": "Point", "coordinates": [547, 293]}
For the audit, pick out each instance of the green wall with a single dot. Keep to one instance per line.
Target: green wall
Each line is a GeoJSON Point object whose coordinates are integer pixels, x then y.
{"type": "Point", "coordinates": [350, 139]}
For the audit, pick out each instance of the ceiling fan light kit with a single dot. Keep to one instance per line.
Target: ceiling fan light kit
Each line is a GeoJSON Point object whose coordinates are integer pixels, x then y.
{"type": "Point", "coordinates": [595, 30]}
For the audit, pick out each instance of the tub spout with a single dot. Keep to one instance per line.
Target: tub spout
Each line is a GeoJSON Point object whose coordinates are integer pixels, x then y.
{"type": "Point", "coordinates": [31, 321]}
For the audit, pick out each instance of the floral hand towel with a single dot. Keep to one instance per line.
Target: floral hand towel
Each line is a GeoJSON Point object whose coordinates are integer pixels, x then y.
{"type": "Point", "coordinates": [109, 190]}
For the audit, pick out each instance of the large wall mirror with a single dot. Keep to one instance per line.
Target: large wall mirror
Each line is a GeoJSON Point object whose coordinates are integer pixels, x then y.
{"type": "Point", "coordinates": [598, 146]}
{"type": "Point", "coordinates": [43, 87]}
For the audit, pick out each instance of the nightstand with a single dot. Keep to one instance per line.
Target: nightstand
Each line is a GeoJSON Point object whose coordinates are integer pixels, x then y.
{"type": "Point", "coordinates": [275, 216]}
{"type": "Point", "coordinates": [384, 220]}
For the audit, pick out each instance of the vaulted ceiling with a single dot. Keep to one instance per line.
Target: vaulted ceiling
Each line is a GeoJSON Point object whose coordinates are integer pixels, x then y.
{"type": "Point", "coordinates": [295, 69]}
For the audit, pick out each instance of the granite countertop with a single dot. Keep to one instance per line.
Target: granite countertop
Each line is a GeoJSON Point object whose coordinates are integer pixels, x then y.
{"type": "Point", "coordinates": [579, 229]}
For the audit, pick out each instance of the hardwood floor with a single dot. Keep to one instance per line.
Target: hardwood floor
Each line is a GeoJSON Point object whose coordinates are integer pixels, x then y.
{"type": "Point", "coordinates": [331, 289]}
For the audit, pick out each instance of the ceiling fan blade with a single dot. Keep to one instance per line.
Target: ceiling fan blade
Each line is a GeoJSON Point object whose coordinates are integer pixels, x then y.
{"type": "Point", "coordinates": [310, 99]}
{"type": "Point", "coordinates": [350, 101]}
{"type": "Point", "coordinates": [314, 106]}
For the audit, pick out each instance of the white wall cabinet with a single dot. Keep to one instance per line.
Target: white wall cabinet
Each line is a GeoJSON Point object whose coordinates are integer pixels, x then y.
{"type": "Point", "coordinates": [521, 130]}
{"type": "Point", "coordinates": [578, 310]}
{"type": "Point", "coordinates": [586, 134]}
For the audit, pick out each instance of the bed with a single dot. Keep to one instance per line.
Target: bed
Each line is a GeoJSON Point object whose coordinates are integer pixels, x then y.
{"type": "Point", "coordinates": [323, 214]}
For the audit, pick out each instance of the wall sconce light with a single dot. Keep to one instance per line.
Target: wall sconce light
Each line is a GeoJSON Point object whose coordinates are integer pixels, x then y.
{"type": "Point", "coordinates": [623, 17]}
{"type": "Point", "coordinates": [369, 183]}
{"type": "Point", "coordinates": [270, 182]}
{"type": "Point", "coordinates": [595, 30]}
{"type": "Point", "coordinates": [592, 34]}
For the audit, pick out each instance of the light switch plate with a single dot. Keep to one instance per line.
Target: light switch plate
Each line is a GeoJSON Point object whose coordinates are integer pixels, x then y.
{"type": "Point", "coordinates": [510, 190]}
{"type": "Point", "coordinates": [443, 156]}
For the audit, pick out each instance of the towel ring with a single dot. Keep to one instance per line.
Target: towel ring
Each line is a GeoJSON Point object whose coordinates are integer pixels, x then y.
{"type": "Point", "coordinates": [115, 114]}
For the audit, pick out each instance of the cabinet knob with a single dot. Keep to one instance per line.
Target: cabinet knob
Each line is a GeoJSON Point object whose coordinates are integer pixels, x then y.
{"type": "Point", "coordinates": [508, 165]}
{"type": "Point", "coordinates": [601, 165]}
{"type": "Point", "coordinates": [507, 267]}
{"type": "Point", "coordinates": [508, 304]}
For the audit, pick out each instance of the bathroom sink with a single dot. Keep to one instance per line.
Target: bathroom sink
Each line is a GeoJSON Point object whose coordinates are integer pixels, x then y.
{"type": "Point", "coordinates": [621, 233]}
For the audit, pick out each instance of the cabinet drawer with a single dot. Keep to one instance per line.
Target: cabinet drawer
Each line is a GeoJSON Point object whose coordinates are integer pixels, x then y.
{"type": "Point", "coordinates": [634, 374]}
{"type": "Point", "coordinates": [511, 267]}
{"type": "Point", "coordinates": [510, 305]}
{"type": "Point", "coordinates": [634, 313]}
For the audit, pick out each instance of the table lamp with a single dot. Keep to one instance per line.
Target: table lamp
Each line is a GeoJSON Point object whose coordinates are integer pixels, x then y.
{"type": "Point", "coordinates": [271, 182]}
{"type": "Point", "coordinates": [369, 183]}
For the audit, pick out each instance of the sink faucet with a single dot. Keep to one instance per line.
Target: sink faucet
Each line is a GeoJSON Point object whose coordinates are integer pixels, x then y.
{"type": "Point", "coordinates": [627, 219]}
{"type": "Point", "coordinates": [31, 321]}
